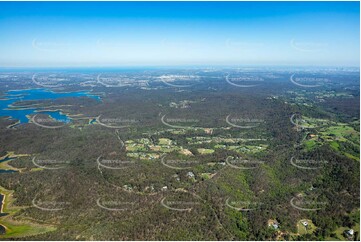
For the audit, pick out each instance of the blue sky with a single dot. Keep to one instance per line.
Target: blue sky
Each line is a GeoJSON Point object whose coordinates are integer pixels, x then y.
{"type": "Point", "coordinates": [81, 34]}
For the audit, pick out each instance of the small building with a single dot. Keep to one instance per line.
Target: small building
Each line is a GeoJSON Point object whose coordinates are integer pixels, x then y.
{"type": "Point", "coordinates": [273, 224]}
{"type": "Point", "coordinates": [165, 188]}
{"type": "Point", "coordinates": [190, 174]}
{"type": "Point", "coordinates": [304, 223]}
{"type": "Point", "coordinates": [176, 176]}
{"type": "Point", "coordinates": [350, 233]}
{"type": "Point", "coordinates": [127, 188]}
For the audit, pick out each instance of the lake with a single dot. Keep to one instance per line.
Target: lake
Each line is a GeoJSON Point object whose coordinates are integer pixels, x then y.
{"type": "Point", "coordinates": [2, 198]}
{"type": "Point", "coordinates": [11, 97]}
{"type": "Point", "coordinates": [6, 171]}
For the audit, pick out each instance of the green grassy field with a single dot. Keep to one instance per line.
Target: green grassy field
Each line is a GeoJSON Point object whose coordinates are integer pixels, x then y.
{"type": "Point", "coordinates": [16, 228]}
{"type": "Point", "coordinates": [305, 230]}
{"type": "Point", "coordinates": [340, 233]}
{"type": "Point", "coordinates": [337, 135]}
{"type": "Point", "coordinates": [203, 151]}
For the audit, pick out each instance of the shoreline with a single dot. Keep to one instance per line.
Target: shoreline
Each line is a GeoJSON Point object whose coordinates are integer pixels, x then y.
{"type": "Point", "coordinates": [36, 107]}
{"type": "Point", "coordinates": [2, 202]}
{"type": "Point", "coordinates": [1, 211]}
{"type": "Point", "coordinates": [10, 155]}
{"type": "Point", "coordinates": [18, 228]}
{"type": "Point", "coordinates": [13, 125]}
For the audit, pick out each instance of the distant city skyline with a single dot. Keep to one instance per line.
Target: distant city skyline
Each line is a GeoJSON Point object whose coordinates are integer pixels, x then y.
{"type": "Point", "coordinates": [110, 34]}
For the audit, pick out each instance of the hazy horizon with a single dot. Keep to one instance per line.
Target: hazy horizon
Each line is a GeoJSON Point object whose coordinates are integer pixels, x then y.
{"type": "Point", "coordinates": [134, 34]}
